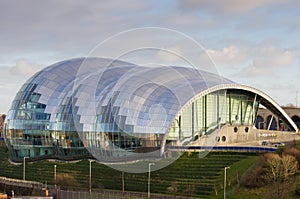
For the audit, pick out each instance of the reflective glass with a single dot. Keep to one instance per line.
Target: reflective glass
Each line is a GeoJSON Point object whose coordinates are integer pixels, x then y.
{"type": "Point", "coordinates": [125, 103]}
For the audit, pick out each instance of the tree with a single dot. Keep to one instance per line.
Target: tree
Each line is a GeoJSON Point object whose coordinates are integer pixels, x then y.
{"type": "Point", "coordinates": [280, 171]}
{"type": "Point", "coordinates": [293, 152]}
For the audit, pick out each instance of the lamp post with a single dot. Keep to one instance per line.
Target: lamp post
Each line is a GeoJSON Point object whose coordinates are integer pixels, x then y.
{"type": "Point", "coordinates": [150, 164]}
{"type": "Point", "coordinates": [123, 183]}
{"type": "Point", "coordinates": [55, 179]}
{"type": "Point", "coordinates": [55, 174]}
{"type": "Point", "coordinates": [225, 181]}
{"type": "Point", "coordinates": [91, 174]}
{"type": "Point", "coordinates": [24, 167]}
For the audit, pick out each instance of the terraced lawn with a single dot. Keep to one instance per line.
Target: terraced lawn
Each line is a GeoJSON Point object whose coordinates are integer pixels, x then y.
{"type": "Point", "coordinates": [188, 176]}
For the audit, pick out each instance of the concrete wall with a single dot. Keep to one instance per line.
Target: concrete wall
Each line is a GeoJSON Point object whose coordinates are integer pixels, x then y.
{"type": "Point", "coordinates": [238, 135]}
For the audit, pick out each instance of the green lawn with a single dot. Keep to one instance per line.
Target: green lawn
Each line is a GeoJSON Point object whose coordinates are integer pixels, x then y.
{"type": "Point", "coordinates": [189, 175]}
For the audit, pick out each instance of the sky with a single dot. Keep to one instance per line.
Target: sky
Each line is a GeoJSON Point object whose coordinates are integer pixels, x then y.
{"type": "Point", "coordinates": [255, 42]}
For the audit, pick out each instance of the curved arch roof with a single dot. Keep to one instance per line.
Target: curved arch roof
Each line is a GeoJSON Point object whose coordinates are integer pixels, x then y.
{"type": "Point", "coordinates": [114, 95]}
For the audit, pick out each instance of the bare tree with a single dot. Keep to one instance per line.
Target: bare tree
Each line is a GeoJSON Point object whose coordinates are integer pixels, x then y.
{"type": "Point", "coordinates": [280, 172]}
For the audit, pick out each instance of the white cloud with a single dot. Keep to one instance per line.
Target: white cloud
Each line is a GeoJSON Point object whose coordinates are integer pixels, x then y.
{"type": "Point", "coordinates": [25, 68]}
{"type": "Point", "coordinates": [274, 57]}
{"type": "Point", "coordinates": [66, 27]}
{"type": "Point", "coordinates": [262, 66]}
{"type": "Point", "coordinates": [259, 60]}
{"type": "Point", "coordinates": [269, 60]}
{"type": "Point", "coordinates": [231, 29]}
{"type": "Point", "coordinates": [228, 55]}
{"type": "Point", "coordinates": [9, 85]}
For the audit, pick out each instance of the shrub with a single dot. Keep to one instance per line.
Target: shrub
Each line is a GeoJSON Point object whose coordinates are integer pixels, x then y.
{"type": "Point", "coordinates": [65, 180]}
{"type": "Point", "coordinates": [254, 178]}
{"type": "Point", "coordinates": [297, 191]}
{"type": "Point", "coordinates": [280, 174]}
{"type": "Point", "coordinates": [280, 150]}
{"type": "Point", "coordinates": [293, 152]}
{"type": "Point", "coordinates": [173, 188]}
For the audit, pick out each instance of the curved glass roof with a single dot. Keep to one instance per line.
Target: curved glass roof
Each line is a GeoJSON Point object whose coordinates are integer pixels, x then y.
{"type": "Point", "coordinates": [111, 96]}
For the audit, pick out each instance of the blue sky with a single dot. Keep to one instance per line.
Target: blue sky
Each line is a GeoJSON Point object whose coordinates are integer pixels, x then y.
{"type": "Point", "coordinates": [251, 42]}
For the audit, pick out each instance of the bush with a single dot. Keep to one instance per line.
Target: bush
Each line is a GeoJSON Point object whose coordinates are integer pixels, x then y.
{"type": "Point", "coordinates": [173, 188]}
{"type": "Point", "coordinates": [297, 191]}
{"type": "Point", "coordinates": [65, 180]}
{"type": "Point", "coordinates": [254, 178]}
{"type": "Point", "coordinates": [293, 152]}
{"type": "Point", "coordinates": [280, 150]}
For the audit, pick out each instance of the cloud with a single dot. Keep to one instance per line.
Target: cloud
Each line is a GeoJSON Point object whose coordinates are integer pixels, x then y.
{"type": "Point", "coordinates": [257, 61]}
{"type": "Point", "coordinates": [9, 85]}
{"type": "Point", "coordinates": [269, 62]}
{"type": "Point", "coordinates": [231, 30]}
{"type": "Point", "coordinates": [280, 57]}
{"type": "Point", "coordinates": [188, 20]}
{"type": "Point", "coordinates": [228, 55]}
{"type": "Point", "coordinates": [25, 68]}
{"type": "Point", "coordinates": [67, 27]}
{"type": "Point", "coordinates": [227, 7]}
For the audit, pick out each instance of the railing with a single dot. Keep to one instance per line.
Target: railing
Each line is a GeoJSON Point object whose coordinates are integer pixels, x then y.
{"type": "Point", "coordinates": [225, 148]}
{"type": "Point", "coordinates": [83, 193]}
{"type": "Point", "coordinates": [36, 141]}
{"type": "Point", "coordinates": [110, 194]}
{"type": "Point", "coordinates": [21, 183]}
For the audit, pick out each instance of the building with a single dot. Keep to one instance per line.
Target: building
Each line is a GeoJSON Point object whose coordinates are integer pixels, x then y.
{"type": "Point", "coordinates": [267, 120]}
{"type": "Point", "coordinates": [116, 110]}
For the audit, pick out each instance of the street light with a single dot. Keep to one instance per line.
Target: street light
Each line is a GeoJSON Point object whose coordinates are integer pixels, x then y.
{"type": "Point", "coordinates": [55, 179]}
{"type": "Point", "coordinates": [225, 181]}
{"type": "Point", "coordinates": [123, 183]}
{"type": "Point", "coordinates": [24, 167]}
{"type": "Point", "coordinates": [150, 164]}
{"type": "Point", "coordinates": [91, 174]}
{"type": "Point", "coordinates": [55, 174]}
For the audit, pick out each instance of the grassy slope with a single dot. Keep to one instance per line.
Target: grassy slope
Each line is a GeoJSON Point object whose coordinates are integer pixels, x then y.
{"type": "Point", "coordinates": [189, 175]}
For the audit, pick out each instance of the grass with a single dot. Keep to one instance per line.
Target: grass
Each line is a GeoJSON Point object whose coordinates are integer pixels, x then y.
{"type": "Point", "coordinates": [188, 176]}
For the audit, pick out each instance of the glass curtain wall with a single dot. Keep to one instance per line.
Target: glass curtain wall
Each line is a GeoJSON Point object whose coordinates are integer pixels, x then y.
{"type": "Point", "coordinates": [209, 113]}
{"type": "Point", "coordinates": [31, 134]}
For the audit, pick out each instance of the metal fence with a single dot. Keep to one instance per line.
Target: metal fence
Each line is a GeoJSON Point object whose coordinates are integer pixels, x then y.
{"type": "Point", "coordinates": [87, 195]}
{"type": "Point", "coordinates": [82, 193]}
{"type": "Point", "coordinates": [226, 148]}
{"type": "Point", "coordinates": [106, 194]}
{"type": "Point", "coordinates": [21, 183]}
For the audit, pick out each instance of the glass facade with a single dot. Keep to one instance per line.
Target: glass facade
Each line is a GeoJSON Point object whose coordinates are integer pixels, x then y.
{"type": "Point", "coordinates": [112, 109]}
{"type": "Point", "coordinates": [209, 113]}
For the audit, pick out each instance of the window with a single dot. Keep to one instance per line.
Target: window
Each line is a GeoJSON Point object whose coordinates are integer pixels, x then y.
{"type": "Point", "coordinates": [223, 138]}
{"type": "Point", "coordinates": [235, 129]}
